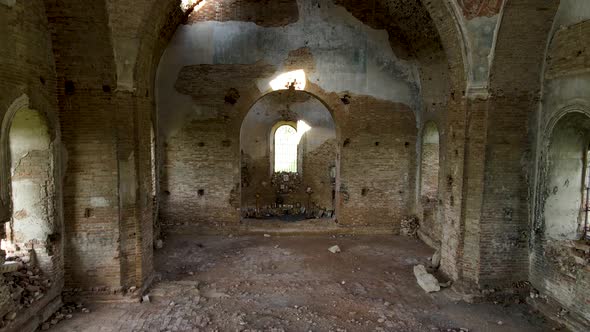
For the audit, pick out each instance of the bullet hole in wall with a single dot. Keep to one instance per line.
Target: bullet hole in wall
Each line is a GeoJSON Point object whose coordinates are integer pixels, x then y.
{"type": "Point", "coordinates": [69, 88]}
{"type": "Point", "coordinates": [376, 143]}
{"type": "Point", "coordinates": [87, 213]}
{"type": "Point", "coordinates": [106, 88]}
{"type": "Point", "coordinates": [346, 142]}
{"type": "Point", "coordinates": [345, 99]}
{"type": "Point", "coordinates": [226, 143]}
{"type": "Point", "coordinates": [201, 192]}
{"type": "Point", "coordinates": [201, 144]}
{"type": "Point", "coordinates": [232, 96]}
{"type": "Point", "coordinates": [407, 144]}
{"type": "Point", "coordinates": [42, 80]}
{"type": "Point", "coordinates": [364, 191]}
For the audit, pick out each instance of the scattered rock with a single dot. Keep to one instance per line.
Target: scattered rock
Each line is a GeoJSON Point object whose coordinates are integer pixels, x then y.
{"type": "Point", "coordinates": [159, 244]}
{"type": "Point", "coordinates": [409, 226]}
{"type": "Point", "coordinates": [10, 316]}
{"type": "Point", "coordinates": [435, 260]}
{"type": "Point", "coordinates": [334, 249]}
{"type": "Point", "coordinates": [145, 299]}
{"type": "Point", "coordinates": [266, 235]}
{"type": "Point", "coordinates": [426, 280]}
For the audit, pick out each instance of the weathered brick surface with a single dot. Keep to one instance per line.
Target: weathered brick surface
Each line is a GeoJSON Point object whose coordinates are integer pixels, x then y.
{"type": "Point", "coordinates": [88, 123]}
{"type": "Point", "coordinates": [552, 270]}
{"type": "Point", "coordinates": [269, 13]}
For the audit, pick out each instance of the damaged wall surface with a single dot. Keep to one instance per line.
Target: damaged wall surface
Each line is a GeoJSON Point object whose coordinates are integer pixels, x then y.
{"type": "Point", "coordinates": [317, 152]}
{"type": "Point", "coordinates": [202, 65]}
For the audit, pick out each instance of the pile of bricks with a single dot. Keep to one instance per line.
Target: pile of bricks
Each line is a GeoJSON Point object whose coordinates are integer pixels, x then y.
{"type": "Point", "coordinates": [409, 226]}
{"type": "Point", "coordinates": [26, 285]}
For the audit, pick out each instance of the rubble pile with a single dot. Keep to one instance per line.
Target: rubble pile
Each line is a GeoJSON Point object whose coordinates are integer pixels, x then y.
{"type": "Point", "coordinates": [409, 226]}
{"type": "Point", "coordinates": [280, 210]}
{"type": "Point", "coordinates": [568, 256]}
{"type": "Point", "coordinates": [26, 285]}
{"type": "Point", "coordinates": [286, 183]}
{"type": "Point", "coordinates": [65, 312]}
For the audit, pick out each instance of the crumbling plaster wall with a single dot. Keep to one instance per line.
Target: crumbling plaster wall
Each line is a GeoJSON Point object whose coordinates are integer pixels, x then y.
{"type": "Point", "coordinates": [558, 268]}
{"type": "Point", "coordinates": [27, 81]}
{"type": "Point", "coordinates": [33, 186]}
{"type": "Point", "coordinates": [318, 149]}
{"type": "Point", "coordinates": [379, 93]}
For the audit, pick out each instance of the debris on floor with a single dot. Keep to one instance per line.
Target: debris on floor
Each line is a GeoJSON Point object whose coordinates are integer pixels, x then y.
{"type": "Point", "coordinates": [435, 260]}
{"type": "Point", "coordinates": [334, 249]}
{"type": "Point", "coordinates": [246, 283]}
{"type": "Point", "coordinates": [409, 226]}
{"type": "Point", "coordinates": [26, 285]}
{"type": "Point", "coordinates": [427, 281]}
{"type": "Point", "coordinates": [65, 312]}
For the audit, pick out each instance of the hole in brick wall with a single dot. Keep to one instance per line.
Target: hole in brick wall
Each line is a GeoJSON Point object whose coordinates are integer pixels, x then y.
{"type": "Point", "coordinates": [167, 192]}
{"type": "Point", "coordinates": [232, 96]}
{"type": "Point", "coordinates": [42, 80]}
{"type": "Point", "coordinates": [106, 88]}
{"type": "Point", "coordinates": [376, 143]}
{"type": "Point", "coordinates": [364, 191]}
{"type": "Point", "coordinates": [346, 142]}
{"type": "Point", "coordinates": [201, 144]}
{"type": "Point", "coordinates": [345, 99]}
{"type": "Point", "coordinates": [69, 88]}
{"type": "Point", "coordinates": [407, 144]}
{"type": "Point", "coordinates": [147, 93]}
{"type": "Point", "coordinates": [201, 192]}
{"type": "Point", "coordinates": [226, 143]}
{"type": "Point", "coordinates": [87, 213]}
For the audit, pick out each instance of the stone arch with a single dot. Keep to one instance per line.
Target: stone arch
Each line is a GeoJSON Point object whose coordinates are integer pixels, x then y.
{"type": "Point", "coordinates": [31, 181]}
{"type": "Point", "coordinates": [318, 150]}
{"type": "Point", "coordinates": [565, 147]}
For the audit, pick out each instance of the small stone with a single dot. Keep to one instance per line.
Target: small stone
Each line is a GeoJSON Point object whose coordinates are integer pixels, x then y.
{"type": "Point", "coordinates": [334, 249]}
{"type": "Point", "coordinates": [10, 316]}
{"type": "Point", "coordinates": [435, 260]}
{"type": "Point", "coordinates": [159, 244]}
{"type": "Point", "coordinates": [426, 280]}
{"type": "Point", "coordinates": [266, 235]}
{"type": "Point", "coordinates": [45, 326]}
{"type": "Point", "coordinates": [146, 299]}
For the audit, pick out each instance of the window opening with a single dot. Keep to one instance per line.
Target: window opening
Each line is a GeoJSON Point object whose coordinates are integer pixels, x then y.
{"type": "Point", "coordinates": [286, 144]}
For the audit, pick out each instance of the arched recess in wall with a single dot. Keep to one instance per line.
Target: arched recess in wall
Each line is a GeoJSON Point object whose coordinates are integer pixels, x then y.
{"type": "Point", "coordinates": [567, 173]}
{"type": "Point", "coordinates": [429, 182]}
{"type": "Point", "coordinates": [310, 192]}
{"type": "Point", "coordinates": [31, 183]}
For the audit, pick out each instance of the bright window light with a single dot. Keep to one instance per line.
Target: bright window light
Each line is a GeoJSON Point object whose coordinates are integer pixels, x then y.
{"type": "Point", "coordinates": [295, 79]}
{"type": "Point", "coordinates": [286, 142]}
{"type": "Point", "coordinates": [196, 4]}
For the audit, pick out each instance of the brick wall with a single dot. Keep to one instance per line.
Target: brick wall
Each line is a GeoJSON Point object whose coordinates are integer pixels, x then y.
{"type": "Point", "coordinates": [554, 269]}
{"type": "Point", "coordinates": [85, 75]}
{"type": "Point", "coordinates": [377, 163]}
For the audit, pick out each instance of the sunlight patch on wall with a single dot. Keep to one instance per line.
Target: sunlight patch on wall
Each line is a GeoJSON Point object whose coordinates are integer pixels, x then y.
{"type": "Point", "coordinates": [294, 79]}
{"type": "Point", "coordinates": [195, 4]}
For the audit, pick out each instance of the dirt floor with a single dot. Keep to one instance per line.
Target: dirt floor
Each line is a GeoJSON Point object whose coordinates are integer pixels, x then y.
{"type": "Point", "coordinates": [260, 283]}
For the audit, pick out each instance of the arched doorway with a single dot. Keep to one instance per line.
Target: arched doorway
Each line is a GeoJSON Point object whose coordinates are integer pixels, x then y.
{"type": "Point", "coordinates": [288, 158]}
{"type": "Point", "coordinates": [32, 190]}
{"type": "Point", "coordinates": [566, 204]}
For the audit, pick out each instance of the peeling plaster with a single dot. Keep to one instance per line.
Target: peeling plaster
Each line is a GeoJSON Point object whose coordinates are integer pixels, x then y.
{"type": "Point", "coordinates": [349, 56]}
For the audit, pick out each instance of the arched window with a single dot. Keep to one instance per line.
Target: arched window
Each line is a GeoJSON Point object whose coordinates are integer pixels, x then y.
{"type": "Point", "coordinates": [286, 142]}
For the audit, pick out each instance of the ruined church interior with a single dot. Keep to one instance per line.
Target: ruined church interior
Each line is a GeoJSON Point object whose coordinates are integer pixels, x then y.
{"type": "Point", "coordinates": [294, 165]}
